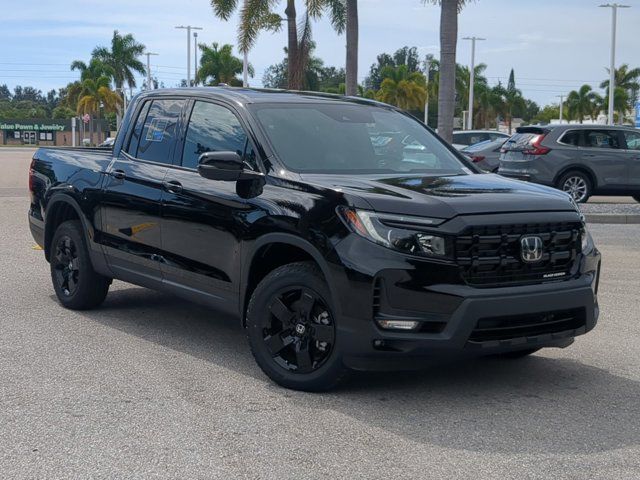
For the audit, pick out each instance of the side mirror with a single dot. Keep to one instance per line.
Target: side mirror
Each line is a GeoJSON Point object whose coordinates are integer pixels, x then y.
{"type": "Point", "coordinates": [226, 166]}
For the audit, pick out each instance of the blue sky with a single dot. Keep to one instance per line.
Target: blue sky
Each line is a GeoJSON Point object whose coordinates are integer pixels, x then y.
{"type": "Point", "coordinates": [554, 46]}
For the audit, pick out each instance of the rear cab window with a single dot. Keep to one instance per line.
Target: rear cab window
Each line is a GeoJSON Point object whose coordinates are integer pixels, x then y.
{"type": "Point", "coordinates": [155, 130]}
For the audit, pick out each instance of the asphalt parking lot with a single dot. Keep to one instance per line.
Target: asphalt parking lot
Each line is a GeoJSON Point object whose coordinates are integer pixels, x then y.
{"type": "Point", "coordinates": [149, 386]}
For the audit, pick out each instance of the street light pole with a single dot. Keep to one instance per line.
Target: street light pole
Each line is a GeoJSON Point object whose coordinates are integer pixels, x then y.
{"type": "Point", "coordinates": [472, 78]}
{"type": "Point", "coordinates": [188, 28]}
{"type": "Point", "coordinates": [245, 70]}
{"type": "Point", "coordinates": [148, 54]}
{"type": "Point", "coordinates": [561, 108]}
{"type": "Point", "coordinates": [612, 65]}
{"type": "Point", "coordinates": [195, 58]}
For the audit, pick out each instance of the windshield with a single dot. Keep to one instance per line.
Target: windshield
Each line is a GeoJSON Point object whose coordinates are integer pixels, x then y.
{"type": "Point", "coordinates": [346, 138]}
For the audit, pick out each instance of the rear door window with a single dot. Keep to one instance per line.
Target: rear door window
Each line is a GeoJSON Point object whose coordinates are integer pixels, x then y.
{"type": "Point", "coordinates": [158, 137]}
{"type": "Point", "coordinates": [633, 140]}
{"type": "Point", "coordinates": [605, 139]}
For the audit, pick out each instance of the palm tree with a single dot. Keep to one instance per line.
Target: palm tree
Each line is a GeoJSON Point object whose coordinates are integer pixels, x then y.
{"type": "Point", "coordinates": [258, 15]}
{"type": "Point", "coordinates": [580, 102]}
{"type": "Point", "coordinates": [352, 47]}
{"type": "Point", "coordinates": [122, 58]}
{"type": "Point", "coordinates": [620, 103]}
{"type": "Point", "coordinates": [597, 105]}
{"type": "Point", "coordinates": [407, 90]}
{"type": "Point", "coordinates": [628, 80]}
{"type": "Point", "coordinates": [463, 78]}
{"type": "Point", "coordinates": [94, 70]}
{"type": "Point", "coordinates": [506, 100]}
{"type": "Point", "coordinates": [448, 43]}
{"type": "Point", "coordinates": [218, 65]}
{"type": "Point", "coordinates": [96, 94]}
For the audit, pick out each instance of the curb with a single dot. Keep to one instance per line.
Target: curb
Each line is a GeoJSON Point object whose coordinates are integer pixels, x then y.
{"type": "Point", "coordinates": [619, 219]}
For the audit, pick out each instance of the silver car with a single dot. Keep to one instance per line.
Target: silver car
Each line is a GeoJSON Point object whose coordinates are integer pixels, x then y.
{"type": "Point", "coordinates": [466, 138]}
{"type": "Point", "coordinates": [486, 155]}
{"type": "Point", "coordinates": [581, 160]}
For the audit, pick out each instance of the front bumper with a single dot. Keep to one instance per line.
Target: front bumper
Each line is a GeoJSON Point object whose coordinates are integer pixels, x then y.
{"type": "Point", "coordinates": [452, 314]}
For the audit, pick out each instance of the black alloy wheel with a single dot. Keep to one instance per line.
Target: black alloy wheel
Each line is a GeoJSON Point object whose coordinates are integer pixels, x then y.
{"type": "Point", "coordinates": [293, 330]}
{"type": "Point", "coordinates": [78, 286]}
{"type": "Point", "coordinates": [65, 264]}
{"type": "Point", "coordinates": [299, 332]}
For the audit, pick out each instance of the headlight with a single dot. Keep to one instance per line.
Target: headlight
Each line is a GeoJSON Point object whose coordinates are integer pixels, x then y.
{"type": "Point", "coordinates": [400, 232]}
{"type": "Point", "coordinates": [587, 240]}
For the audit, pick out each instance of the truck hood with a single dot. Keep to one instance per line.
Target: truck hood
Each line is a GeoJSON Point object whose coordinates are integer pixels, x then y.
{"type": "Point", "coordinates": [446, 196]}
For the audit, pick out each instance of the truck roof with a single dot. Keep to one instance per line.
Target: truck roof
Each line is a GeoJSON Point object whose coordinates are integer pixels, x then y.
{"type": "Point", "coordinates": [244, 95]}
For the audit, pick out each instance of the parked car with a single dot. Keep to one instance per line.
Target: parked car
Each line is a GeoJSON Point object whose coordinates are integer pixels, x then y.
{"type": "Point", "coordinates": [336, 248]}
{"type": "Point", "coordinates": [486, 155]}
{"type": "Point", "coordinates": [581, 160]}
{"type": "Point", "coordinates": [465, 138]}
{"type": "Point", "coordinates": [109, 141]}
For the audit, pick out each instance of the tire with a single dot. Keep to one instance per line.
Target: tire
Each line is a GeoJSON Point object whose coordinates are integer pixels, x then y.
{"type": "Point", "coordinates": [636, 198]}
{"type": "Point", "coordinates": [76, 283]}
{"type": "Point", "coordinates": [576, 184]}
{"type": "Point", "coordinates": [292, 332]}
{"type": "Point", "coordinates": [518, 354]}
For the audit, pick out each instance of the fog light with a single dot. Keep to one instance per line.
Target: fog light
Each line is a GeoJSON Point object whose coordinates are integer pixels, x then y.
{"type": "Point", "coordinates": [398, 324]}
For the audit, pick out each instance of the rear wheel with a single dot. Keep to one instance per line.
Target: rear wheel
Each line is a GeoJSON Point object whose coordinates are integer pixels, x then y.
{"type": "Point", "coordinates": [76, 283]}
{"type": "Point", "coordinates": [291, 326]}
{"type": "Point", "coordinates": [576, 184]}
{"type": "Point", "coordinates": [636, 198]}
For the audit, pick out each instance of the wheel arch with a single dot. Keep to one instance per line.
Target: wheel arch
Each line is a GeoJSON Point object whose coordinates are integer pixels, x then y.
{"type": "Point", "coordinates": [272, 251]}
{"type": "Point", "coordinates": [580, 168]}
{"type": "Point", "coordinates": [60, 208]}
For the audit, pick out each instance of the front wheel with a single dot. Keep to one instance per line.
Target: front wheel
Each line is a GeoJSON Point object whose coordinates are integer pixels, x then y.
{"type": "Point", "coordinates": [576, 184]}
{"type": "Point", "coordinates": [77, 285]}
{"type": "Point", "coordinates": [292, 331]}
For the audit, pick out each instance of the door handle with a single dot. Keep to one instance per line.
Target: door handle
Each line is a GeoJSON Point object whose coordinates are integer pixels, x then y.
{"type": "Point", "coordinates": [118, 174]}
{"type": "Point", "coordinates": [172, 186]}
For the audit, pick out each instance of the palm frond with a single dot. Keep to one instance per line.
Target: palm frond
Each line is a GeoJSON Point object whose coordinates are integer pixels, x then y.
{"type": "Point", "coordinates": [337, 14]}
{"type": "Point", "coordinates": [224, 8]}
{"type": "Point", "coordinates": [253, 16]}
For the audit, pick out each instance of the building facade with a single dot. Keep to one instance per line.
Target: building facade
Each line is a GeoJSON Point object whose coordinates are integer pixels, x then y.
{"type": "Point", "coordinates": [51, 132]}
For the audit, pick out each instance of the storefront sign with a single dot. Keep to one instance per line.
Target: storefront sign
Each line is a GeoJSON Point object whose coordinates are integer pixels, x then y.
{"type": "Point", "coordinates": [34, 127]}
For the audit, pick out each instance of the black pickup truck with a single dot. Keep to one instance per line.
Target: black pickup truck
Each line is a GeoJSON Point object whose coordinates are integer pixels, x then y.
{"type": "Point", "coordinates": [341, 232]}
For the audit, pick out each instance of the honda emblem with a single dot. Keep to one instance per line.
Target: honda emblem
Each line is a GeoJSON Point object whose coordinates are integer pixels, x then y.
{"type": "Point", "coordinates": [531, 249]}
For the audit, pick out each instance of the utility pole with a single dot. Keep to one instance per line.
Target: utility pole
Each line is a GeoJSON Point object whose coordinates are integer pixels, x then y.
{"type": "Point", "coordinates": [195, 58]}
{"type": "Point", "coordinates": [561, 107]}
{"type": "Point", "coordinates": [149, 84]}
{"type": "Point", "coordinates": [188, 28]}
{"type": "Point", "coordinates": [245, 69]}
{"type": "Point", "coordinates": [472, 79]}
{"type": "Point", "coordinates": [612, 65]}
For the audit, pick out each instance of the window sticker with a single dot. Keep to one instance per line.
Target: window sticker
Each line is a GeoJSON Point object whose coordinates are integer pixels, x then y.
{"type": "Point", "coordinates": [156, 130]}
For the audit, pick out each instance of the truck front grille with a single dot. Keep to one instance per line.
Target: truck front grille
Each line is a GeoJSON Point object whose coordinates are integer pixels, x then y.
{"type": "Point", "coordinates": [490, 256]}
